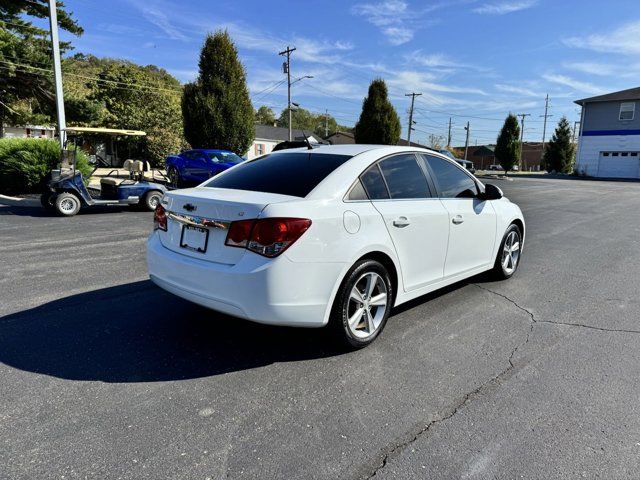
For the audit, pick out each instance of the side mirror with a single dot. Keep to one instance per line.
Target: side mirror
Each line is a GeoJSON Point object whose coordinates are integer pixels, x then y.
{"type": "Point", "coordinates": [491, 192]}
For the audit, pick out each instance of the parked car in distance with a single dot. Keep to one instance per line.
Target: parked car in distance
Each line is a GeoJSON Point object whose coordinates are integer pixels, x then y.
{"type": "Point", "coordinates": [335, 235]}
{"type": "Point", "coordinates": [495, 167]}
{"type": "Point", "coordinates": [463, 163]}
{"type": "Point", "coordinates": [193, 167]}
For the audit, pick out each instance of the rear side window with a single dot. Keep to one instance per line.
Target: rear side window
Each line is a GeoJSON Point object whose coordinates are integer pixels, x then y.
{"type": "Point", "coordinates": [284, 173]}
{"type": "Point", "coordinates": [374, 184]}
{"type": "Point", "coordinates": [452, 182]}
{"type": "Point", "coordinates": [404, 177]}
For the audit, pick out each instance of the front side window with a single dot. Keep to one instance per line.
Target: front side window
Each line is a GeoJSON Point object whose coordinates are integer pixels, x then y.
{"type": "Point", "coordinates": [404, 177]}
{"type": "Point", "coordinates": [452, 181]}
{"type": "Point", "coordinates": [627, 110]}
{"type": "Point", "coordinates": [284, 173]}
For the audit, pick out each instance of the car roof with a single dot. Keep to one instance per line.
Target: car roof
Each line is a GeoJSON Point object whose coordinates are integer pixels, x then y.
{"type": "Point", "coordinates": [354, 149]}
{"type": "Point", "coordinates": [210, 150]}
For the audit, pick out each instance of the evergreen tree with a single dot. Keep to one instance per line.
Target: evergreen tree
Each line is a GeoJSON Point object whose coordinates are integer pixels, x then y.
{"type": "Point", "coordinates": [378, 123]}
{"type": "Point", "coordinates": [216, 107]}
{"type": "Point", "coordinates": [559, 153]}
{"type": "Point", "coordinates": [508, 144]}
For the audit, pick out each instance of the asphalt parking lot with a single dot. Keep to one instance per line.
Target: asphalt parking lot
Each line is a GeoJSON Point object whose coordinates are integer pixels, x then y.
{"type": "Point", "coordinates": [104, 375]}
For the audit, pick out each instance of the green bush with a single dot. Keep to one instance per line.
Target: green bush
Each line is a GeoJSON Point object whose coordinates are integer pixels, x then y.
{"type": "Point", "coordinates": [25, 164]}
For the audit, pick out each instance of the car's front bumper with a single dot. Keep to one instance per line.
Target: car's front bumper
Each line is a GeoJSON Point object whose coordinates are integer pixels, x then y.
{"type": "Point", "coordinates": [273, 291]}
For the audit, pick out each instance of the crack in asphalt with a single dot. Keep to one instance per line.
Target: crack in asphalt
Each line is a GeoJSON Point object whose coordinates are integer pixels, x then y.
{"type": "Point", "coordinates": [468, 397]}
{"type": "Point", "coordinates": [553, 322]}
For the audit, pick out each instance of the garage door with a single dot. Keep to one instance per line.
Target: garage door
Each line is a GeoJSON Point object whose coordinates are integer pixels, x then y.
{"type": "Point", "coordinates": [619, 165]}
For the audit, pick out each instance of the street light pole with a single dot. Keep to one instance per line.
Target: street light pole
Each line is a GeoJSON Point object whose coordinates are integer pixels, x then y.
{"type": "Point", "coordinates": [287, 66]}
{"type": "Point", "coordinates": [57, 72]}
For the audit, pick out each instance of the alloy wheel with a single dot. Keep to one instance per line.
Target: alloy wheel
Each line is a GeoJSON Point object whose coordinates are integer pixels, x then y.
{"type": "Point", "coordinates": [67, 205]}
{"type": "Point", "coordinates": [367, 305]}
{"type": "Point", "coordinates": [511, 252]}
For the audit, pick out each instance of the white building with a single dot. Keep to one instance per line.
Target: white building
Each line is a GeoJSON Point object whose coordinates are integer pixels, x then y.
{"type": "Point", "coordinates": [28, 131]}
{"type": "Point", "coordinates": [268, 137]}
{"type": "Point", "coordinates": [609, 144]}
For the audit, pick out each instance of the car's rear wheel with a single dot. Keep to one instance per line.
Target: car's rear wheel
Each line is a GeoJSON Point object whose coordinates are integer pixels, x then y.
{"type": "Point", "coordinates": [67, 204]}
{"type": "Point", "coordinates": [363, 304]}
{"type": "Point", "coordinates": [509, 254]}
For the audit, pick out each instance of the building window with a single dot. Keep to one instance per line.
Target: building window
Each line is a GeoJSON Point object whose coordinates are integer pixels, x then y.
{"type": "Point", "coordinates": [259, 149]}
{"type": "Point", "coordinates": [627, 110]}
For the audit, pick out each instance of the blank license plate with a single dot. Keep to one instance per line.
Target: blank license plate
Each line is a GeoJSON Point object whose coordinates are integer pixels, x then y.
{"type": "Point", "coordinates": [194, 238]}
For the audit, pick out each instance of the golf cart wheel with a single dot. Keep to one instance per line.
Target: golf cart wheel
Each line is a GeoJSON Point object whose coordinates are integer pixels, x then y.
{"type": "Point", "coordinates": [67, 204]}
{"type": "Point", "coordinates": [48, 200]}
{"type": "Point", "coordinates": [174, 178]}
{"type": "Point", "coordinates": [152, 199]}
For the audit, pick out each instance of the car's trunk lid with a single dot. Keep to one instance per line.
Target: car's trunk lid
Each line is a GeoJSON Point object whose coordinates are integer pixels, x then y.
{"type": "Point", "coordinates": [198, 220]}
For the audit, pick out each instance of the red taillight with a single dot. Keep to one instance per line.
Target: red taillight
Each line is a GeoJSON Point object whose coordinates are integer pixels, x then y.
{"type": "Point", "coordinates": [239, 232]}
{"type": "Point", "coordinates": [268, 236]}
{"type": "Point", "coordinates": [160, 218]}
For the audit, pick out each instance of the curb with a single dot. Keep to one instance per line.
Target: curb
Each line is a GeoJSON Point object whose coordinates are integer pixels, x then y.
{"type": "Point", "coordinates": [19, 202]}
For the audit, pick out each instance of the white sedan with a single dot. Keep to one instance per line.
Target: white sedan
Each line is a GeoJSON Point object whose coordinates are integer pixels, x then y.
{"type": "Point", "coordinates": [334, 235]}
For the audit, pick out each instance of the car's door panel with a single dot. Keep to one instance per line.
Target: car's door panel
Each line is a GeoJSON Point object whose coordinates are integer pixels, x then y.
{"type": "Point", "coordinates": [472, 221]}
{"type": "Point", "coordinates": [417, 223]}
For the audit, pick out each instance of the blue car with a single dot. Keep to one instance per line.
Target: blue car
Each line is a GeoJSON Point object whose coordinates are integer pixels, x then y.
{"type": "Point", "coordinates": [192, 167]}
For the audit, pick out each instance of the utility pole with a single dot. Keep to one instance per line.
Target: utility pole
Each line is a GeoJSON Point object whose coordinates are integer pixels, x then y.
{"type": "Point", "coordinates": [413, 98]}
{"type": "Point", "coordinates": [449, 135]}
{"type": "Point", "coordinates": [522, 116]}
{"type": "Point", "coordinates": [544, 128]}
{"type": "Point", "coordinates": [326, 122]}
{"type": "Point", "coordinates": [286, 66]}
{"type": "Point", "coordinates": [57, 72]}
{"type": "Point", "coordinates": [466, 142]}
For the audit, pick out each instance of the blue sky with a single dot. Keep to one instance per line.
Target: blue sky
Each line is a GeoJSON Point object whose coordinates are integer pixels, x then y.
{"type": "Point", "coordinates": [474, 60]}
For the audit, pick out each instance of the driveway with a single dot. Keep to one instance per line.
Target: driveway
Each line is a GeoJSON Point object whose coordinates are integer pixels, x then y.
{"type": "Point", "coordinates": [104, 375]}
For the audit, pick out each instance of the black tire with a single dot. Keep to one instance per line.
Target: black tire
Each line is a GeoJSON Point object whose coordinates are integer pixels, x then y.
{"type": "Point", "coordinates": [345, 307]}
{"type": "Point", "coordinates": [151, 200]}
{"type": "Point", "coordinates": [174, 177]}
{"type": "Point", "coordinates": [47, 200]}
{"type": "Point", "coordinates": [67, 204]}
{"type": "Point", "coordinates": [502, 271]}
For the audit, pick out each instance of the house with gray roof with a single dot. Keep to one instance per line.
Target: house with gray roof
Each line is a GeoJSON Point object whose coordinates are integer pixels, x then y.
{"type": "Point", "coordinates": [267, 137]}
{"type": "Point", "coordinates": [609, 142]}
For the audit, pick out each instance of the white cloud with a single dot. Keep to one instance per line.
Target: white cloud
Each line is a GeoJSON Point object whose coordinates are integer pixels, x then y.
{"type": "Point", "coordinates": [423, 82]}
{"type": "Point", "coordinates": [573, 83]}
{"type": "Point", "coordinates": [439, 61]}
{"type": "Point", "coordinates": [393, 17]}
{"type": "Point", "coordinates": [592, 68]}
{"type": "Point", "coordinates": [625, 40]}
{"type": "Point", "coordinates": [522, 91]}
{"type": "Point", "coordinates": [160, 20]}
{"type": "Point", "coordinates": [502, 8]}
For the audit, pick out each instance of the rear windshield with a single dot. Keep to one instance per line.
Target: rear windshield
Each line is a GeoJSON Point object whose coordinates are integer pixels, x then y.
{"type": "Point", "coordinates": [284, 173]}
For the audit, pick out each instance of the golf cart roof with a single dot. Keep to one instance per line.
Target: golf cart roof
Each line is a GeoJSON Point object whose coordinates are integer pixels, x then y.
{"type": "Point", "coordinates": [106, 131]}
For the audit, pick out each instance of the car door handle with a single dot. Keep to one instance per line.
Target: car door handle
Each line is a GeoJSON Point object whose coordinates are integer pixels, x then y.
{"type": "Point", "coordinates": [401, 222]}
{"type": "Point", "coordinates": [457, 220]}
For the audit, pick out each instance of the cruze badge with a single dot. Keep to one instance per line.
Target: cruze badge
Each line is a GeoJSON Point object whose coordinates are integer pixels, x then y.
{"type": "Point", "coordinates": [189, 207]}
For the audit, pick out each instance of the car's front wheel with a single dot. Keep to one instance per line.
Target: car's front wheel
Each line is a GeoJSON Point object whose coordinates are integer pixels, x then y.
{"type": "Point", "coordinates": [509, 254]}
{"type": "Point", "coordinates": [363, 304]}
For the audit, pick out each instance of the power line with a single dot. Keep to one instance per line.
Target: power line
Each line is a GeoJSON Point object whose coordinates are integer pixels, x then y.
{"type": "Point", "coordinates": [544, 129]}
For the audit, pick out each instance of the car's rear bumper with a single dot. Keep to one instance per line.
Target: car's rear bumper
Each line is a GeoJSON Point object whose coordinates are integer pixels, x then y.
{"type": "Point", "coordinates": [273, 291]}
